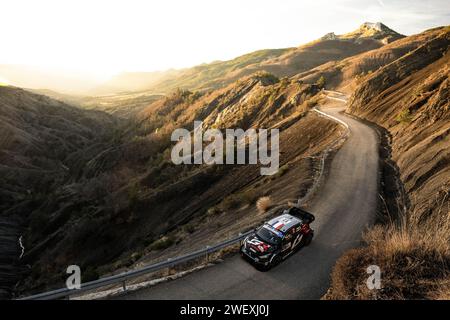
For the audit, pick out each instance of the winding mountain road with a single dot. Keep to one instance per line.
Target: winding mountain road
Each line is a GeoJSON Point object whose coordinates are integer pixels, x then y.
{"type": "Point", "coordinates": [344, 205]}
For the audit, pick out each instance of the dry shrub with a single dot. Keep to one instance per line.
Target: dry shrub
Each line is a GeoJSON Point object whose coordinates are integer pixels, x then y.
{"type": "Point", "coordinates": [237, 200]}
{"type": "Point", "coordinates": [162, 243]}
{"type": "Point", "coordinates": [231, 202]}
{"type": "Point", "coordinates": [413, 255]}
{"type": "Point", "coordinates": [250, 196]}
{"type": "Point", "coordinates": [263, 204]}
{"type": "Point", "coordinates": [292, 203]}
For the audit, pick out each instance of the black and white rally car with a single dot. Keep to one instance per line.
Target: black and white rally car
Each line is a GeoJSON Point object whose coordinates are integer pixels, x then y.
{"type": "Point", "coordinates": [278, 238]}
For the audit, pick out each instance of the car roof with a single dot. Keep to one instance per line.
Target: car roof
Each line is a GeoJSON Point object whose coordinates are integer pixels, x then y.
{"type": "Point", "coordinates": [284, 222]}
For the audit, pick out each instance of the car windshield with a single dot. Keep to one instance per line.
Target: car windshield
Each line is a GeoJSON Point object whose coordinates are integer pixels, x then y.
{"type": "Point", "coordinates": [268, 236]}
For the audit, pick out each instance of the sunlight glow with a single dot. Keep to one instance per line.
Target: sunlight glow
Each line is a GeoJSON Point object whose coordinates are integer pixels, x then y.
{"type": "Point", "coordinates": [105, 37]}
{"type": "Point", "coordinates": [4, 82]}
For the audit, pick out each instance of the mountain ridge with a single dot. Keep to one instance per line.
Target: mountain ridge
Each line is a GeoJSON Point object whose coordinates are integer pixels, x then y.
{"type": "Point", "coordinates": [376, 30]}
{"type": "Point", "coordinates": [281, 62]}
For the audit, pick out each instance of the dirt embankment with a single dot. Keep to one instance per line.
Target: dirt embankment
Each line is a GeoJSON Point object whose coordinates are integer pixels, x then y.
{"type": "Point", "coordinates": [410, 99]}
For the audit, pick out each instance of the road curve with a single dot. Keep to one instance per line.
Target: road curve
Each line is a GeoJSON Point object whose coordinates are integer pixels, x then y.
{"type": "Point", "coordinates": [344, 205]}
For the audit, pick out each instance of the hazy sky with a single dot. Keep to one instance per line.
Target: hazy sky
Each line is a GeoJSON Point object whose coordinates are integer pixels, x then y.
{"type": "Point", "coordinates": [106, 37]}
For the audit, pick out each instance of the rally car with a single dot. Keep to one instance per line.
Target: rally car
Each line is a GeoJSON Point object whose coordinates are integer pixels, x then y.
{"type": "Point", "coordinates": [277, 239]}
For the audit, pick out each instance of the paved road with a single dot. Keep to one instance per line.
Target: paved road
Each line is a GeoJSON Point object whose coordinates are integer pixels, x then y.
{"type": "Point", "coordinates": [344, 206]}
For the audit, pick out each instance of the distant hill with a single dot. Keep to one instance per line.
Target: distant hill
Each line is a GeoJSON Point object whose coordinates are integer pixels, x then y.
{"type": "Point", "coordinates": [39, 78]}
{"type": "Point", "coordinates": [189, 78]}
{"type": "Point", "coordinates": [131, 81]}
{"type": "Point", "coordinates": [280, 62]}
{"type": "Point", "coordinates": [124, 105]}
{"type": "Point", "coordinates": [346, 74]}
{"type": "Point", "coordinates": [369, 30]}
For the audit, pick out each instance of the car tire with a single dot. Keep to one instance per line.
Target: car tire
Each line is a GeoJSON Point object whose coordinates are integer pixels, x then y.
{"type": "Point", "coordinates": [275, 261]}
{"type": "Point", "coordinates": [308, 239]}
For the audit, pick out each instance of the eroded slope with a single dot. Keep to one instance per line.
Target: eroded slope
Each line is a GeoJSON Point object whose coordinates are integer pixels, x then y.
{"type": "Point", "coordinates": [409, 97]}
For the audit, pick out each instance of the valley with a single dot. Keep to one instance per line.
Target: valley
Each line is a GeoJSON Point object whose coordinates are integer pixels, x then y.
{"type": "Point", "coordinates": [89, 179]}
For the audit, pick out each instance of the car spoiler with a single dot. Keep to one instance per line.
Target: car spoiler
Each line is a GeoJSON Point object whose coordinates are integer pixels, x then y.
{"type": "Point", "coordinates": [305, 216]}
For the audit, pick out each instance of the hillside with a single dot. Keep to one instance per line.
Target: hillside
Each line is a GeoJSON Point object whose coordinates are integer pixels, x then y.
{"type": "Point", "coordinates": [44, 144]}
{"type": "Point", "coordinates": [280, 62]}
{"type": "Point", "coordinates": [190, 78]}
{"type": "Point", "coordinates": [37, 135]}
{"type": "Point", "coordinates": [90, 189]}
{"type": "Point", "coordinates": [409, 97]}
{"type": "Point", "coordinates": [25, 76]}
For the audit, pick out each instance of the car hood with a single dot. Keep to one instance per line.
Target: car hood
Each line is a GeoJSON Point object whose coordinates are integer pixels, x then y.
{"type": "Point", "coordinates": [259, 246]}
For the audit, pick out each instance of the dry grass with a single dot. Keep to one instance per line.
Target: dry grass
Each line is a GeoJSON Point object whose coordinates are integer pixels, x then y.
{"type": "Point", "coordinates": [413, 255]}
{"type": "Point", "coordinates": [263, 204]}
{"type": "Point", "coordinates": [442, 292]}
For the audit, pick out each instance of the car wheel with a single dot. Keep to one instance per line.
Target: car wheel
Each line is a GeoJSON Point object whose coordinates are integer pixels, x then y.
{"type": "Point", "coordinates": [308, 239]}
{"type": "Point", "coordinates": [275, 261]}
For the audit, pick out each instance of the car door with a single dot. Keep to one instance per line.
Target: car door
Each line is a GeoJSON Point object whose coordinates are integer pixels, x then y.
{"type": "Point", "coordinates": [297, 236]}
{"type": "Point", "coordinates": [287, 244]}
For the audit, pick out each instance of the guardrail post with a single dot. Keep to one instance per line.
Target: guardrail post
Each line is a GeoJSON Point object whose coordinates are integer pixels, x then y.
{"type": "Point", "coordinates": [124, 285]}
{"type": "Point", "coordinates": [207, 254]}
{"type": "Point", "coordinates": [168, 267]}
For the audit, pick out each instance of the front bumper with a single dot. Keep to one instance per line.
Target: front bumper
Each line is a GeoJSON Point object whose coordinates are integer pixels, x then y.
{"type": "Point", "coordinates": [254, 259]}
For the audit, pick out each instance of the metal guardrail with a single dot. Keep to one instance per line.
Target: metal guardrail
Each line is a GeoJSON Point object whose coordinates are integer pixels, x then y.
{"type": "Point", "coordinates": [122, 278]}
{"type": "Point", "coordinates": [327, 151]}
